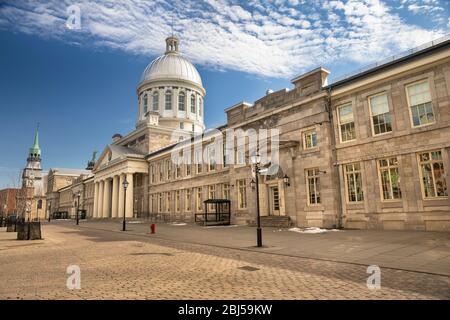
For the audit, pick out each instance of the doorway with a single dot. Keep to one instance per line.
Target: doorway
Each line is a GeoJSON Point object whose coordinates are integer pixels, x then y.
{"type": "Point", "coordinates": [274, 201]}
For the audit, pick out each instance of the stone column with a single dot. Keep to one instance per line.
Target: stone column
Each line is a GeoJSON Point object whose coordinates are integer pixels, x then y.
{"type": "Point", "coordinates": [120, 202]}
{"type": "Point", "coordinates": [130, 197]}
{"type": "Point", "coordinates": [101, 185]}
{"type": "Point", "coordinates": [94, 213]}
{"type": "Point", "coordinates": [107, 199]}
{"type": "Point", "coordinates": [115, 197]}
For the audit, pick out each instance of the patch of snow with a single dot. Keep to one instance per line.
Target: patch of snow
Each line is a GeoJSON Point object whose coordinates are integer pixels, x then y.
{"type": "Point", "coordinates": [312, 230]}
{"type": "Point", "coordinates": [178, 223]}
{"type": "Point", "coordinates": [230, 226]}
{"type": "Point", "coordinates": [136, 222]}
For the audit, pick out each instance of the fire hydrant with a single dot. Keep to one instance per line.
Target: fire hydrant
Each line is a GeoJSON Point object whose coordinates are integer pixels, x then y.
{"type": "Point", "coordinates": [153, 228]}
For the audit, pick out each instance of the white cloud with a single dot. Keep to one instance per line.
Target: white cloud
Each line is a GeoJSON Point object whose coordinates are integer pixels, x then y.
{"type": "Point", "coordinates": [267, 37]}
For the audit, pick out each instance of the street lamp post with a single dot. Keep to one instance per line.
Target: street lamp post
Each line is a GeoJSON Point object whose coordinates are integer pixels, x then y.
{"type": "Point", "coordinates": [125, 186]}
{"type": "Point", "coordinates": [256, 159]}
{"type": "Point", "coordinates": [78, 206]}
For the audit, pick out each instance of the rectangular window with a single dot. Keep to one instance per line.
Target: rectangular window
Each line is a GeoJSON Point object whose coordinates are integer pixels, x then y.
{"type": "Point", "coordinates": [353, 182]}
{"type": "Point", "coordinates": [432, 174]}
{"type": "Point", "coordinates": [192, 103]}
{"type": "Point", "coordinates": [168, 170]}
{"type": "Point", "coordinates": [226, 191]}
{"type": "Point", "coordinates": [168, 199]}
{"type": "Point", "coordinates": [187, 203]}
{"type": "Point", "coordinates": [242, 194]}
{"type": "Point", "coordinates": [211, 157]}
{"type": "Point", "coordinates": [390, 178]}
{"type": "Point", "coordinates": [240, 156]}
{"type": "Point", "coordinates": [161, 173]}
{"type": "Point", "coordinates": [310, 139]}
{"type": "Point", "coordinates": [199, 199]}
{"type": "Point", "coordinates": [188, 169]}
{"type": "Point", "coordinates": [168, 102]}
{"type": "Point", "coordinates": [160, 204]}
{"type": "Point", "coordinates": [381, 118]}
{"type": "Point", "coordinates": [346, 123]}
{"type": "Point", "coordinates": [313, 186]}
{"type": "Point", "coordinates": [155, 101]}
{"type": "Point", "coordinates": [198, 160]}
{"type": "Point", "coordinates": [178, 171]}
{"type": "Point", "coordinates": [211, 195]}
{"type": "Point", "coordinates": [177, 201]}
{"type": "Point", "coordinates": [419, 99]}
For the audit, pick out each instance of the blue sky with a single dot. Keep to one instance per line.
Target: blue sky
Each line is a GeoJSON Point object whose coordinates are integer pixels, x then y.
{"type": "Point", "coordinates": [80, 84]}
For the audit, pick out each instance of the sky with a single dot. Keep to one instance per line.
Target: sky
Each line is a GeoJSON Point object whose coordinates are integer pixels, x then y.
{"type": "Point", "coordinates": [79, 82]}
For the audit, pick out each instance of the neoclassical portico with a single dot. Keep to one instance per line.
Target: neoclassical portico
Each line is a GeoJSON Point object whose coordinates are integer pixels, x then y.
{"type": "Point", "coordinates": [116, 165]}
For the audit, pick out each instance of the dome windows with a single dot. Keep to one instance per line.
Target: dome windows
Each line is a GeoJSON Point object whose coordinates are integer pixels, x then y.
{"type": "Point", "coordinates": [145, 104]}
{"type": "Point", "coordinates": [200, 106]}
{"type": "Point", "coordinates": [168, 102]}
{"type": "Point", "coordinates": [155, 101]}
{"type": "Point", "coordinates": [181, 101]}
{"type": "Point", "coordinates": [192, 103]}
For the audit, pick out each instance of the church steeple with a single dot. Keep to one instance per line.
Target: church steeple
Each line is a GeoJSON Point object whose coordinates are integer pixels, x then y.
{"type": "Point", "coordinates": [35, 150]}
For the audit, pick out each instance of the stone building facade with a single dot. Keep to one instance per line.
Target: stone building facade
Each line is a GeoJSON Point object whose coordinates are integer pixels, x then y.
{"type": "Point", "coordinates": [8, 201]}
{"type": "Point", "coordinates": [369, 151]}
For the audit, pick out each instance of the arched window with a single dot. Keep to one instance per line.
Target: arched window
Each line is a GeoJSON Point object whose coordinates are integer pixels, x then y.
{"type": "Point", "coordinates": [193, 103]}
{"type": "Point", "coordinates": [168, 100]}
{"type": "Point", "coordinates": [181, 101]}
{"type": "Point", "coordinates": [145, 104]}
{"type": "Point", "coordinates": [155, 101]}
{"type": "Point", "coordinates": [200, 106]}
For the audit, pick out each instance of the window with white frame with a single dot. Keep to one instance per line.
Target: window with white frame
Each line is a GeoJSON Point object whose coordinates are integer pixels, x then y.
{"type": "Point", "coordinates": [353, 182]}
{"type": "Point", "coordinates": [192, 103]}
{"type": "Point", "coordinates": [145, 104]}
{"type": "Point", "coordinates": [242, 194]}
{"type": "Point", "coordinates": [187, 200]}
{"type": "Point", "coordinates": [389, 178]}
{"type": "Point", "coordinates": [432, 174]}
{"type": "Point", "coordinates": [379, 110]}
{"type": "Point", "coordinates": [313, 186]}
{"type": "Point", "coordinates": [168, 102]}
{"type": "Point", "coordinates": [419, 99]}
{"type": "Point", "coordinates": [310, 139]}
{"type": "Point", "coordinates": [155, 101]}
{"type": "Point", "coordinates": [181, 101]}
{"type": "Point", "coordinates": [346, 123]}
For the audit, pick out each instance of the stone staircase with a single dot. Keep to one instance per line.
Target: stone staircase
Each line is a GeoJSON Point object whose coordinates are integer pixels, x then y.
{"type": "Point", "coordinates": [273, 221]}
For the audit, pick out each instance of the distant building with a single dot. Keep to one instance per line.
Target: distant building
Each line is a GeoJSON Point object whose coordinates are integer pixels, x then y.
{"type": "Point", "coordinates": [8, 201]}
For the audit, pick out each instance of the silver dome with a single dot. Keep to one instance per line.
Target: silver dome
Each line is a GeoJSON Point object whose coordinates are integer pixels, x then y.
{"type": "Point", "coordinates": [171, 65]}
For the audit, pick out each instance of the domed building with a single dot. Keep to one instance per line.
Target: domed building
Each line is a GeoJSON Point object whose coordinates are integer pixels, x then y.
{"type": "Point", "coordinates": [170, 108]}
{"type": "Point", "coordinates": [172, 88]}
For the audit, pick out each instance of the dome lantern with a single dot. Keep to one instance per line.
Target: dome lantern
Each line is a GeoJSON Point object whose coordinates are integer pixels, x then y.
{"type": "Point", "coordinates": [172, 45]}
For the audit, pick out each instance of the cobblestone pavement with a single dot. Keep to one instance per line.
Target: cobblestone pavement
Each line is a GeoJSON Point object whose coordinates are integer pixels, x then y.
{"type": "Point", "coordinates": [117, 265]}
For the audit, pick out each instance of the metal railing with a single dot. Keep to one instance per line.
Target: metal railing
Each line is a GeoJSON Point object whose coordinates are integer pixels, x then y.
{"type": "Point", "coordinates": [392, 59]}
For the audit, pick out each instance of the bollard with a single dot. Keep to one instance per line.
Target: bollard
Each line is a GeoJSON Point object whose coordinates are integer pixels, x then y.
{"type": "Point", "coordinates": [153, 228]}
